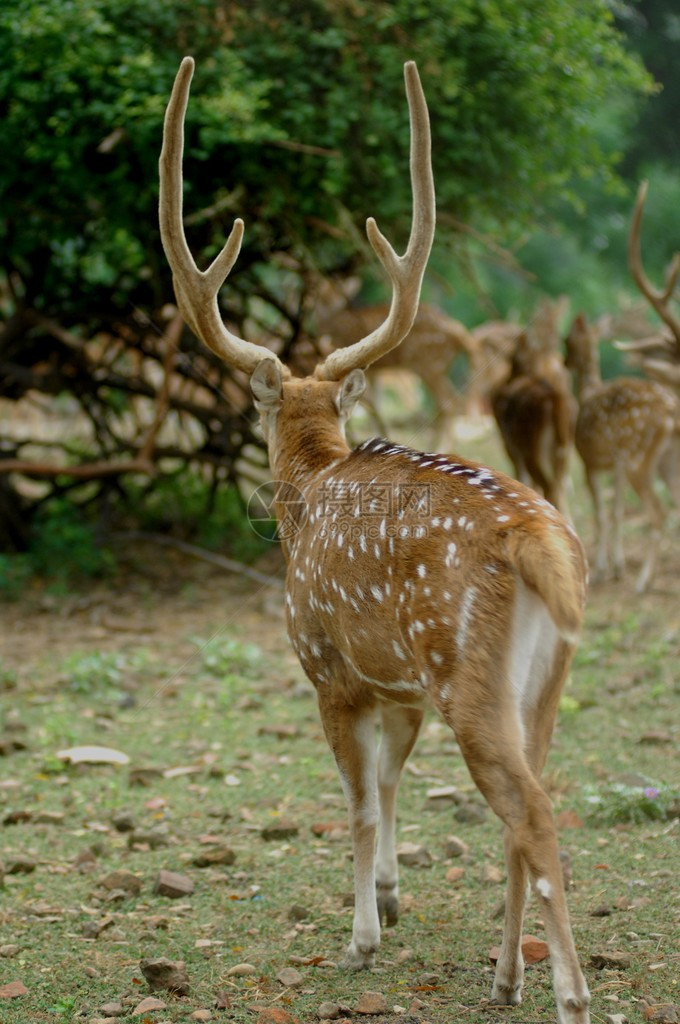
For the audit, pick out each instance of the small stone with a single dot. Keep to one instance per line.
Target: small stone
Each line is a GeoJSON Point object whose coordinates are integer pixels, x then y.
{"type": "Point", "coordinates": [12, 990]}
{"type": "Point", "coordinates": [274, 1015]}
{"type": "Point", "coordinates": [290, 978]}
{"type": "Point", "coordinates": [279, 830]}
{"type": "Point", "coordinates": [9, 950]}
{"type": "Point", "coordinates": [602, 911]}
{"type": "Point", "coordinates": [619, 961]}
{"type": "Point", "coordinates": [371, 1003]}
{"type": "Point", "coordinates": [443, 796]}
{"type": "Point", "coordinates": [147, 1005]}
{"type": "Point", "coordinates": [49, 818]}
{"type": "Point", "coordinates": [116, 935]}
{"type": "Point", "coordinates": [328, 1011]}
{"type": "Point", "coordinates": [153, 838]}
{"type": "Point", "coordinates": [404, 955]}
{"type": "Point", "coordinates": [143, 776]}
{"type": "Point", "coordinates": [454, 875]}
{"type": "Point", "coordinates": [662, 1013]}
{"type": "Point", "coordinates": [491, 874]}
{"type": "Point", "coordinates": [123, 821]}
{"type": "Point", "coordinates": [166, 974]}
{"type": "Point", "coordinates": [173, 885]}
{"type": "Point", "coordinates": [471, 814]}
{"type": "Point", "coordinates": [216, 856]}
{"type": "Point", "coordinates": [615, 1018]}
{"type": "Point", "coordinates": [241, 970]}
{"type": "Point", "coordinates": [534, 950]}
{"type": "Point", "coordinates": [298, 913]}
{"type": "Point", "coordinates": [19, 865]}
{"type": "Point", "coordinates": [201, 1015]}
{"type": "Point", "coordinates": [414, 855]}
{"type": "Point", "coordinates": [124, 880]}
{"type": "Point", "coordinates": [455, 847]}
{"type": "Point", "coordinates": [112, 1009]}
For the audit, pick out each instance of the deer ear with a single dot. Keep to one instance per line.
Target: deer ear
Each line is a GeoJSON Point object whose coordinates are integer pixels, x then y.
{"type": "Point", "coordinates": [266, 385]}
{"type": "Point", "coordinates": [351, 390]}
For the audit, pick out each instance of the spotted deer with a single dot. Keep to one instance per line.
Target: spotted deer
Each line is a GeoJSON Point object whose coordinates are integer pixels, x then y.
{"type": "Point", "coordinates": [625, 425]}
{"type": "Point", "coordinates": [535, 412]}
{"type": "Point", "coordinates": [411, 577]}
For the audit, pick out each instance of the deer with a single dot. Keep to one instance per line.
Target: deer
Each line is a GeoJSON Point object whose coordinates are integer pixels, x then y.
{"type": "Point", "coordinates": [626, 425]}
{"type": "Point", "coordinates": [535, 410]}
{"type": "Point", "coordinates": [411, 578]}
{"type": "Point", "coordinates": [429, 351]}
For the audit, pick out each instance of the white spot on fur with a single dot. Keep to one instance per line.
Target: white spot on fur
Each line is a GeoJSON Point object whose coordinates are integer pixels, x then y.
{"type": "Point", "coordinates": [465, 617]}
{"type": "Point", "coordinates": [544, 888]}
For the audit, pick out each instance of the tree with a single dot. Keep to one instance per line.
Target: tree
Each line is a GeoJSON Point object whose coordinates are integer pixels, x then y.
{"type": "Point", "coordinates": [297, 123]}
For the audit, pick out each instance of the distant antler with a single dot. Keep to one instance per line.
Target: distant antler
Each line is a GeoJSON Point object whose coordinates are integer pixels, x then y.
{"type": "Point", "coordinates": [196, 290]}
{"type": "Point", "coordinates": [658, 298]}
{"type": "Point", "coordinates": [405, 272]}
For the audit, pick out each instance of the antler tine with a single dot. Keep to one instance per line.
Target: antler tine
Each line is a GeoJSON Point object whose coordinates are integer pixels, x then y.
{"type": "Point", "coordinates": [406, 272]}
{"type": "Point", "coordinates": [657, 298]}
{"type": "Point", "coordinates": [196, 290]}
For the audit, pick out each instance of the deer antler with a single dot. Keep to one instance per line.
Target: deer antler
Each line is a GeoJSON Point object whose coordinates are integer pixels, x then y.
{"type": "Point", "coordinates": [658, 298]}
{"type": "Point", "coordinates": [406, 272]}
{"type": "Point", "coordinates": [196, 290]}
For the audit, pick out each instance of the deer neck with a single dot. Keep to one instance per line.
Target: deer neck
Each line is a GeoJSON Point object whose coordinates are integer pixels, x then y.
{"type": "Point", "coordinates": [304, 448]}
{"type": "Point", "coordinates": [587, 379]}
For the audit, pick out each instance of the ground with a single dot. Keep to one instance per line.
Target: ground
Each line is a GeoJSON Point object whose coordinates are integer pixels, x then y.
{"type": "Point", "coordinates": [186, 669]}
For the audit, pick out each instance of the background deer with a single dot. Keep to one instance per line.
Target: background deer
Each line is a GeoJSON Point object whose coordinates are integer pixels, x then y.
{"type": "Point", "coordinates": [410, 578]}
{"type": "Point", "coordinates": [429, 351]}
{"type": "Point", "coordinates": [535, 410]}
{"type": "Point", "coordinates": [625, 425]}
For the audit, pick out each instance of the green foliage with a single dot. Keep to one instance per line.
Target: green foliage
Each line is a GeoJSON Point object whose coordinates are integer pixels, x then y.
{"type": "Point", "coordinates": [305, 114]}
{"type": "Point", "coordinates": [186, 502]}
{"type": "Point", "coordinates": [227, 657]}
{"type": "Point", "coordinates": [65, 546]}
{"type": "Point", "coordinates": [102, 673]}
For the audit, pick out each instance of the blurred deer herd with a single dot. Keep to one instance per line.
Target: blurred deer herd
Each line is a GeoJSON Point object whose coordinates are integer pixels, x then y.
{"type": "Point", "coordinates": [542, 383]}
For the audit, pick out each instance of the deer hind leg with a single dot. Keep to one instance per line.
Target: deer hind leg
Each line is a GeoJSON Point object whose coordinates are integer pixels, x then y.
{"type": "Point", "coordinates": [643, 484]}
{"type": "Point", "coordinates": [351, 734]}
{"type": "Point", "coordinates": [595, 484]}
{"type": "Point", "coordinates": [503, 721]}
{"type": "Point", "coordinates": [400, 727]}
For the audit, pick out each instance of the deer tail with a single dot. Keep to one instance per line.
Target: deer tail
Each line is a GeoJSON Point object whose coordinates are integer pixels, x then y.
{"type": "Point", "coordinates": [554, 566]}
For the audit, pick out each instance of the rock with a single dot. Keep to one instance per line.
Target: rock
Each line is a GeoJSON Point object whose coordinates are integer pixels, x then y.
{"type": "Point", "coordinates": [491, 874]}
{"type": "Point", "coordinates": [290, 978]}
{"type": "Point", "coordinates": [454, 875]}
{"type": "Point", "coordinates": [534, 950]}
{"type": "Point", "coordinates": [615, 1018]}
{"type": "Point", "coordinates": [173, 885]}
{"type": "Point", "coordinates": [471, 814]}
{"type": "Point", "coordinates": [274, 1015]}
{"type": "Point", "coordinates": [455, 847]}
{"type": "Point", "coordinates": [166, 974]}
{"type": "Point", "coordinates": [20, 865]}
{"type": "Point", "coordinates": [154, 838]}
{"type": "Point", "coordinates": [16, 817]}
{"type": "Point", "coordinates": [602, 911]}
{"type": "Point", "coordinates": [143, 775]}
{"type": "Point", "coordinates": [124, 880]}
{"type": "Point", "coordinates": [241, 970]}
{"type": "Point", "coordinates": [619, 961]}
{"type": "Point", "coordinates": [9, 950]}
{"type": "Point", "coordinates": [371, 1003]}
{"type": "Point", "coordinates": [147, 1005]}
{"type": "Point", "coordinates": [112, 1009]}
{"type": "Point", "coordinates": [662, 1013]}
{"type": "Point", "coordinates": [216, 856]}
{"type": "Point", "coordinates": [413, 855]}
{"type": "Point", "coordinates": [123, 821]}
{"type": "Point", "coordinates": [443, 796]}
{"type": "Point", "coordinates": [12, 990]}
{"type": "Point", "coordinates": [279, 830]}
{"type": "Point", "coordinates": [49, 818]}
{"type": "Point", "coordinates": [328, 1011]}
{"type": "Point", "coordinates": [298, 913]}
{"type": "Point", "coordinates": [201, 1015]}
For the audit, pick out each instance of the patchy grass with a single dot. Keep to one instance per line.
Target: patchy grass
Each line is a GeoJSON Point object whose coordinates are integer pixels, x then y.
{"type": "Point", "coordinates": [189, 673]}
